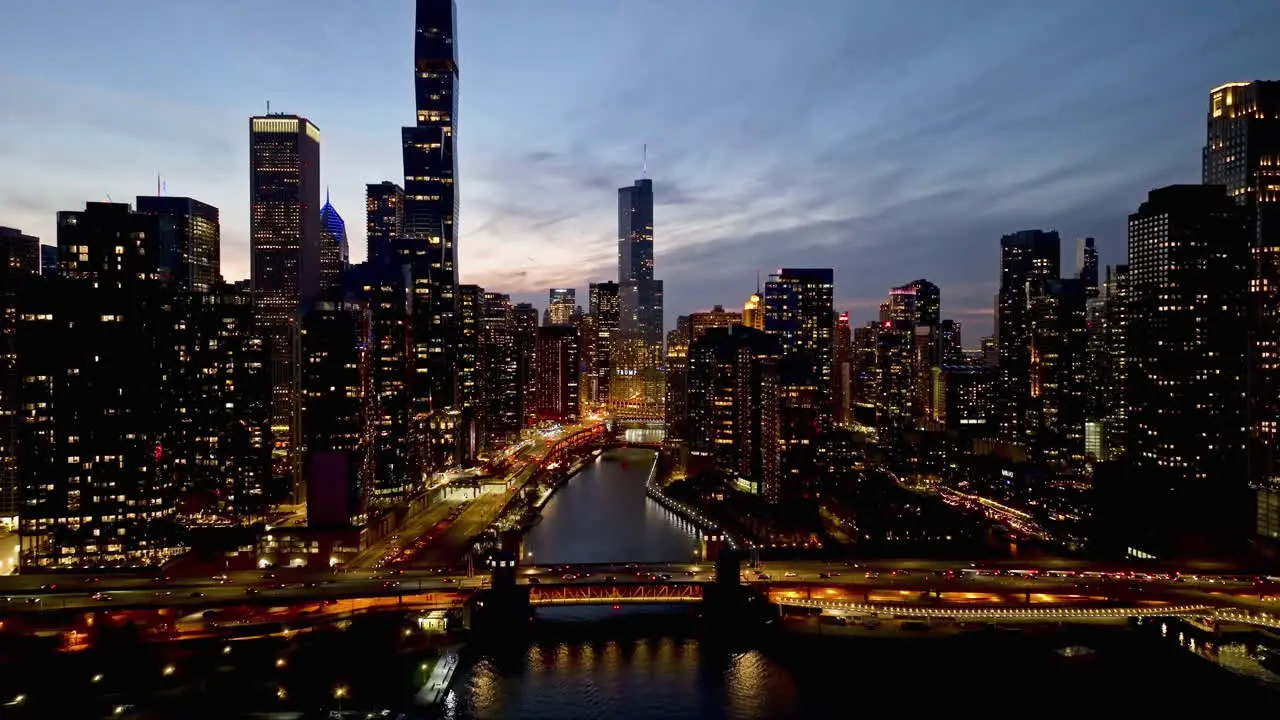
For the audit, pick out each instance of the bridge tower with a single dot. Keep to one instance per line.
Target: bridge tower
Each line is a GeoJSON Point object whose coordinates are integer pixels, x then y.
{"type": "Point", "coordinates": [712, 544]}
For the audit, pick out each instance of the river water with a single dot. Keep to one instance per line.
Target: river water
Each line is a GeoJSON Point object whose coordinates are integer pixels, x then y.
{"type": "Point", "coordinates": [642, 664]}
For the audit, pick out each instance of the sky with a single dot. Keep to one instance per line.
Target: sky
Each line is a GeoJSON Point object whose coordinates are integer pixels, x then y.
{"type": "Point", "coordinates": [888, 139]}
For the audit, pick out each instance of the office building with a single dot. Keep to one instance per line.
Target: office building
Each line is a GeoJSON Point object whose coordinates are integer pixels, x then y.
{"type": "Point", "coordinates": [560, 306]}
{"type": "Point", "coordinates": [49, 260]}
{"type": "Point", "coordinates": [556, 373]}
{"type": "Point", "coordinates": [1059, 370]}
{"type": "Point", "coordinates": [1242, 153]}
{"type": "Point", "coordinates": [334, 253]}
{"type": "Point", "coordinates": [391, 370]}
{"type": "Point", "coordinates": [676, 407]}
{"type": "Point", "coordinates": [335, 428]}
{"type": "Point", "coordinates": [19, 268]}
{"type": "Point", "coordinates": [700, 322]}
{"type": "Point", "coordinates": [284, 253]}
{"type": "Point", "coordinates": [199, 239]}
{"type": "Point", "coordinates": [1027, 258]}
{"type": "Point", "coordinates": [1087, 265]}
{"type": "Point", "coordinates": [429, 241]}
{"type": "Point", "coordinates": [99, 357]}
{"type": "Point", "coordinates": [384, 222]}
{"type": "Point", "coordinates": [1187, 283]}
{"type": "Point", "coordinates": [753, 311]}
{"type": "Point", "coordinates": [842, 371]}
{"type": "Point", "coordinates": [962, 398]}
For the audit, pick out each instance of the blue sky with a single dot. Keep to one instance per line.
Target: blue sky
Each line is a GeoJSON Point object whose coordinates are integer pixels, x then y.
{"type": "Point", "coordinates": [889, 139]}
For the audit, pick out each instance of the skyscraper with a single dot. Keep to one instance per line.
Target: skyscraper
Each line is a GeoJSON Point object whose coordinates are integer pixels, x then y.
{"type": "Point", "coordinates": [384, 221]}
{"type": "Point", "coordinates": [799, 305]}
{"type": "Point", "coordinates": [556, 368]}
{"type": "Point", "coordinates": [637, 378]}
{"type": "Point", "coordinates": [284, 238]}
{"type": "Point", "coordinates": [333, 251]}
{"type": "Point", "coordinates": [499, 371]}
{"type": "Point", "coordinates": [429, 244]}
{"type": "Point", "coordinates": [19, 268]}
{"type": "Point", "coordinates": [1087, 265]}
{"type": "Point", "coordinates": [603, 302]}
{"type": "Point", "coordinates": [1242, 153]}
{"type": "Point", "coordinates": [99, 357]}
{"type": "Point", "coordinates": [524, 324]}
{"type": "Point", "coordinates": [470, 318]}
{"type": "Point", "coordinates": [1188, 279]}
{"type": "Point", "coordinates": [1026, 257]}
{"type": "Point", "coordinates": [560, 305]}
{"type": "Point", "coordinates": [199, 238]}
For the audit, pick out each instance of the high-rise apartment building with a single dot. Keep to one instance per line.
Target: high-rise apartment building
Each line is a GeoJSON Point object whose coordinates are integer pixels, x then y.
{"type": "Point", "coordinates": [1242, 153]}
{"type": "Point", "coordinates": [560, 306]}
{"type": "Point", "coordinates": [733, 405]}
{"type": "Point", "coordinates": [384, 222]}
{"type": "Point", "coordinates": [429, 242]}
{"type": "Point", "coordinates": [19, 268]}
{"type": "Point", "coordinates": [391, 381]}
{"type": "Point", "coordinates": [842, 371]}
{"type": "Point", "coordinates": [1185, 389]}
{"type": "Point", "coordinates": [799, 304]}
{"type": "Point", "coordinates": [1059, 371]}
{"type": "Point", "coordinates": [470, 319]}
{"type": "Point", "coordinates": [335, 428]}
{"type": "Point", "coordinates": [227, 385]}
{"type": "Point", "coordinates": [1027, 258]}
{"type": "Point", "coordinates": [603, 304]}
{"type": "Point", "coordinates": [334, 253]}
{"type": "Point", "coordinates": [556, 373]}
{"type": "Point", "coordinates": [199, 239]}
{"type": "Point", "coordinates": [524, 325]}
{"type": "Point", "coordinates": [676, 407]}
{"type": "Point", "coordinates": [1115, 318]}
{"type": "Point", "coordinates": [284, 253]}
{"type": "Point", "coordinates": [100, 352]}
{"type": "Point", "coordinates": [499, 371]}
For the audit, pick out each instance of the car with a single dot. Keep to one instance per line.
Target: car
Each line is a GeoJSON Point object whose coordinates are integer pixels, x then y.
{"type": "Point", "coordinates": [610, 579]}
{"type": "Point", "coordinates": [448, 580]}
{"type": "Point", "coordinates": [690, 573]}
{"type": "Point", "coordinates": [872, 575]}
{"type": "Point", "coordinates": [269, 576]}
{"type": "Point", "coordinates": [49, 586]}
{"type": "Point", "coordinates": [391, 584]}
{"type": "Point", "coordinates": [788, 574]}
{"type": "Point", "coordinates": [102, 597]}
{"type": "Point", "coordinates": [824, 575]}
{"type": "Point", "coordinates": [534, 581]}
{"type": "Point", "coordinates": [251, 591]}
{"type": "Point", "coordinates": [196, 594]}
{"type": "Point", "coordinates": [311, 585]}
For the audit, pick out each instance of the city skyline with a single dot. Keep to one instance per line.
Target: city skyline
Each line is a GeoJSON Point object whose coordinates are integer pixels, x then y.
{"type": "Point", "coordinates": [876, 182]}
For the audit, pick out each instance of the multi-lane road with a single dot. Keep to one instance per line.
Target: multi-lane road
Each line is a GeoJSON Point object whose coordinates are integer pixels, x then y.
{"type": "Point", "coordinates": [885, 580]}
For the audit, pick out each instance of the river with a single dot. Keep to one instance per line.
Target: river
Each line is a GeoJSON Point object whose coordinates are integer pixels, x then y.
{"type": "Point", "coordinates": [651, 663]}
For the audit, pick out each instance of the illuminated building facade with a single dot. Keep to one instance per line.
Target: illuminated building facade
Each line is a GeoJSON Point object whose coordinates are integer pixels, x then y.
{"type": "Point", "coordinates": [499, 371]}
{"type": "Point", "coordinates": [228, 424]}
{"type": "Point", "coordinates": [19, 268]}
{"type": "Point", "coordinates": [556, 373]}
{"type": "Point", "coordinates": [429, 241]}
{"type": "Point", "coordinates": [753, 311]}
{"type": "Point", "coordinates": [603, 304]}
{"type": "Point", "coordinates": [334, 253]}
{"type": "Point", "coordinates": [560, 306]}
{"type": "Point", "coordinates": [798, 305]}
{"type": "Point", "coordinates": [337, 443]}
{"type": "Point", "coordinates": [199, 238]}
{"type": "Point", "coordinates": [700, 322]}
{"type": "Point", "coordinates": [1059, 368]}
{"type": "Point", "coordinates": [1242, 153]}
{"type": "Point", "coordinates": [470, 319]}
{"type": "Point", "coordinates": [384, 222]}
{"type": "Point", "coordinates": [99, 356]}
{"type": "Point", "coordinates": [733, 405]}
{"type": "Point", "coordinates": [842, 372]}
{"type": "Point", "coordinates": [524, 325]}
{"type": "Point", "coordinates": [1027, 257]}
{"type": "Point", "coordinates": [637, 384]}
{"type": "Point", "coordinates": [1186, 387]}
{"type": "Point", "coordinates": [962, 398]}
{"type": "Point", "coordinates": [284, 250]}
{"type": "Point", "coordinates": [676, 409]}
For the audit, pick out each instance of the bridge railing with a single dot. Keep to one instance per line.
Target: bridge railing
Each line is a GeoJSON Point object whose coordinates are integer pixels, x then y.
{"type": "Point", "coordinates": [1019, 613]}
{"type": "Point", "coordinates": [690, 514]}
{"type": "Point", "coordinates": [596, 594]}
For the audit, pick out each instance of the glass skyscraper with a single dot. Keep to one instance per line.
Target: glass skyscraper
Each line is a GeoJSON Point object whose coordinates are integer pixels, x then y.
{"type": "Point", "coordinates": [429, 243]}
{"type": "Point", "coordinates": [637, 371]}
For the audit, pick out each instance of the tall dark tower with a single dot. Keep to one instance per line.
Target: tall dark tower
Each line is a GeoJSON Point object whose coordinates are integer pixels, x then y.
{"type": "Point", "coordinates": [284, 248]}
{"type": "Point", "coordinates": [1241, 146]}
{"type": "Point", "coordinates": [1087, 265]}
{"type": "Point", "coordinates": [429, 244]}
{"type": "Point", "coordinates": [637, 381]}
{"type": "Point", "coordinates": [1027, 258]}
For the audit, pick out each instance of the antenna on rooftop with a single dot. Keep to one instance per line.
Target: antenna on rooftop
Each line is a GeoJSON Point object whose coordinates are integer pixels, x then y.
{"type": "Point", "coordinates": [158, 193]}
{"type": "Point", "coordinates": [268, 107]}
{"type": "Point", "coordinates": [108, 197]}
{"type": "Point", "coordinates": [644, 155]}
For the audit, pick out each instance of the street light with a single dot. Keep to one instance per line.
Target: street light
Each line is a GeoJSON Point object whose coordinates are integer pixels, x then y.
{"type": "Point", "coordinates": [168, 670]}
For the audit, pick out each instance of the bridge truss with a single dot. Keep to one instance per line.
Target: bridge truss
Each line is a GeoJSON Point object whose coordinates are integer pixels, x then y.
{"type": "Point", "coordinates": [615, 594]}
